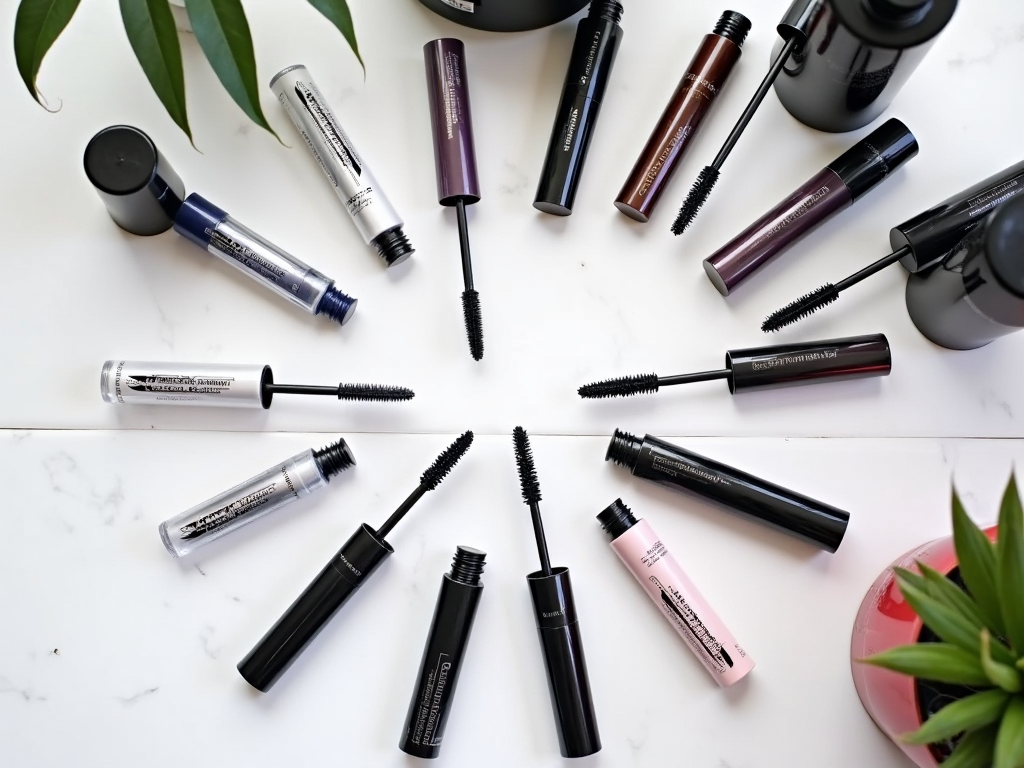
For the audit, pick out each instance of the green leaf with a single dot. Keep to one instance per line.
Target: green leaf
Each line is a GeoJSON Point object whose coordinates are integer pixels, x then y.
{"type": "Point", "coordinates": [36, 27]}
{"type": "Point", "coordinates": [222, 30]}
{"type": "Point", "coordinates": [1009, 752]}
{"type": "Point", "coordinates": [974, 750]}
{"type": "Point", "coordinates": [968, 714]}
{"type": "Point", "coordinates": [946, 622]}
{"type": "Point", "coordinates": [338, 14]}
{"type": "Point", "coordinates": [977, 559]}
{"type": "Point", "coordinates": [1006, 677]}
{"type": "Point", "coordinates": [940, 587]}
{"type": "Point", "coordinates": [941, 662]}
{"type": "Point", "coordinates": [1010, 559]}
{"type": "Point", "coordinates": [154, 38]}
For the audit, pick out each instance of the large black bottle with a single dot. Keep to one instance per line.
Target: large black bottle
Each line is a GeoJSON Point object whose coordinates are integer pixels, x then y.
{"type": "Point", "coordinates": [858, 55]}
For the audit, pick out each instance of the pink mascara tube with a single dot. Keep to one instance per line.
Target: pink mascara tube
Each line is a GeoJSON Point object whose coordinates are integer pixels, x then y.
{"type": "Point", "coordinates": [640, 548]}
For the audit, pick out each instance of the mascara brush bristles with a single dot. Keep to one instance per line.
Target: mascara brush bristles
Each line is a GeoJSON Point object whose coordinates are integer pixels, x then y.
{"type": "Point", "coordinates": [621, 387]}
{"type": "Point", "coordinates": [374, 392]}
{"type": "Point", "coordinates": [800, 308]}
{"type": "Point", "coordinates": [695, 199]}
{"type": "Point", "coordinates": [524, 461]}
{"type": "Point", "coordinates": [474, 323]}
{"type": "Point", "coordinates": [444, 463]}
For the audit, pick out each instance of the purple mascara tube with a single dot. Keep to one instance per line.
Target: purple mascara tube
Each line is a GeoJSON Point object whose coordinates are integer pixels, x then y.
{"type": "Point", "coordinates": [455, 159]}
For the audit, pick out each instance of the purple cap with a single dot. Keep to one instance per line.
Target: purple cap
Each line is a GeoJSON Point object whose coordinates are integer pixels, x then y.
{"type": "Point", "coordinates": [448, 91]}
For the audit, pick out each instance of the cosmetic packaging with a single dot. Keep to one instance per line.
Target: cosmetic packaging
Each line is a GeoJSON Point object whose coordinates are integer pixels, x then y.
{"type": "Point", "coordinates": [337, 581]}
{"type": "Point", "coordinates": [837, 186]}
{"type": "Point", "coordinates": [590, 67]}
{"type": "Point", "coordinates": [142, 194]}
{"type": "Point", "coordinates": [857, 56]}
{"type": "Point", "coordinates": [374, 217]}
{"type": "Point", "coordinates": [505, 15]}
{"type": "Point", "coordinates": [641, 550]}
{"type": "Point", "coordinates": [442, 656]}
{"type": "Point", "coordinates": [268, 491]}
{"type": "Point", "coordinates": [693, 98]}
{"type": "Point", "coordinates": [136, 382]}
{"type": "Point", "coordinates": [976, 294]}
{"type": "Point", "coordinates": [731, 489]}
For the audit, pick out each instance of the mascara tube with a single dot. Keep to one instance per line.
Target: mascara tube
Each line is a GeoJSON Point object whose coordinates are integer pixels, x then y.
{"type": "Point", "coordinates": [640, 549]}
{"type": "Point", "coordinates": [137, 382]}
{"type": "Point", "coordinates": [590, 67]}
{"type": "Point", "coordinates": [750, 497]}
{"type": "Point", "coordinates": [442, 656]}
{"type": "Point", "coordinates": [373, 214]}
{"type": "Point", "coordinates": [268, 491]}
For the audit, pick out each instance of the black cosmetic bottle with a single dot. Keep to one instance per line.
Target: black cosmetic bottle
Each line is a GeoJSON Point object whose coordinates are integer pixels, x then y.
{"type": "Point", "coordinates": [442, 657]}
{"type": "Point", "coordinates": [858, 55]}
{"type": "Point", "coordinates": [590, 67]}
{"type": "Point", "coordinates": [751, 497]}
{"type": "Point", "coordinates": [975, 294]}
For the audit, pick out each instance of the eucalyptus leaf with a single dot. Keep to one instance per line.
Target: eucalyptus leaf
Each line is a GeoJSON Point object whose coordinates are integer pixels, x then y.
{"type": "Point", "coordinates": [944, 589]}
{"type": "Point", "coordinates": [154, 38]}
{"type": "Point", "coordinates": [37, 26]}
{"type": "Point", "coordinates": [968, 714]}
{"type": "Point", "coordinates": [1006, 677]}
{"type": "Point", "coordinates": [946, 622]}
{"type": "Point", "coordinates": [977, 558]}
{"type": "Point", "coordinates": [941, 662]}
{"type": "Point", "coordinates": [222, 31]}
{"type": "Point", "coordinates": [974, 750]}
{"type": "Point", "coordinates": [1010, 557]}
{"type": "Point", "coordinates": [1009, 748]}
{"type": "Point", "coordinates": [339, 15]}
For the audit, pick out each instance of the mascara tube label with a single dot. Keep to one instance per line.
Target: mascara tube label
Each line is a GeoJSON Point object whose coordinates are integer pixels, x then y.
{"type": "Point", "coordinates": [136, 382]}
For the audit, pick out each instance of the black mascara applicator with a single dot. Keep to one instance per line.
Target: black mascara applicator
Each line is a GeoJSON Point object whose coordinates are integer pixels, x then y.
{"type": "Point", "coordinates": [770, 367]}
{"type": "Point", "coordinates": [793, 29]}
{"type": "Point", "coordinates": [353, 564]}
{"type": "Point", "coordinates": [455, 160]}
{"type": "Point", "coordinates": [558, 627]}
{"type": "Point", "coordinates": [917, 243]}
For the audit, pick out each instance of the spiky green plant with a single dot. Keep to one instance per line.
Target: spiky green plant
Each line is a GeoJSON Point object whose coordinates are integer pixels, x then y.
{"type": "Point", "coordinates": [982, 641]}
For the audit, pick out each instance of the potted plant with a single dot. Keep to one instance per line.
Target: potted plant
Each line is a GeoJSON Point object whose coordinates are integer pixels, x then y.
{"type": "Point", "coordinates": [938, 646]}
{"type": "Point", "coordinates": [220, 27]}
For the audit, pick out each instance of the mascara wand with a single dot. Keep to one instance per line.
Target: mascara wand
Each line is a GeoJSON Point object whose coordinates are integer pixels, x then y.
{"type": "Point", "coordinates": [352, 565]}
{"type": "Point", "coordinates": [793, 29]}
{"type": "Point", "coordinates": [455, 160]}
{"type": "Point", "coordinates": [770, 367]}
{"type": "Point", "coordinates": [558, 627]}
{"type": "Point", "coordinates": [826, 294]}
{"type": "Point", "coordinates": [365, 392]}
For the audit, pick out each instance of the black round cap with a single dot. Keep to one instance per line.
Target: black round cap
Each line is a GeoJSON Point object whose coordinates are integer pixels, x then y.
{"type": "Point", "coordinates": [1004, 243]}
{"type": "Point", "coordinates": [141, 190]}
{"type": "Point", "coordinates": [872, 159]}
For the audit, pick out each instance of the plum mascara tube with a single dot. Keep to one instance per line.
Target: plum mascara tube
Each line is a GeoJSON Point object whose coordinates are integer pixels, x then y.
{"type": "Point", "coordinates": [372, 213]}
{"type": "Point", "coordinates": [837, 186]}
{"type": "Point", "coordinates": [641, 550]}
{"type": "Point", "coordinates": [442, 656]}
{"type": "Point", "coordinates": [693, 98]}
{"type": "Point", "coordinates": [268, 491]}
{"type": "Point", "coordinates": [144, 195]}
{"type": "Point", "coordinates": [590, 67]}
{"type": "Point", "coordinates": [736, 491]}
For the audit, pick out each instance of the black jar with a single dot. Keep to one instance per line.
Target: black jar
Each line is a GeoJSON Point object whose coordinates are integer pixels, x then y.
{"type": "Point", "coordinates": [505, 15]}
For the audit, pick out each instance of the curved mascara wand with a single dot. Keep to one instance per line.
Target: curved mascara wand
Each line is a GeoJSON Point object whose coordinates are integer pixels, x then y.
{"type": "Point", "coordinates": [531, 493]}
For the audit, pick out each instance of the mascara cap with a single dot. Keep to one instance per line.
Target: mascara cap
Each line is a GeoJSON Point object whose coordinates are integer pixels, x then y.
{"type": "Point", "coordinates": [796, 23]}
{"type": "Point", "coordinates": [872, 159]}
{"type": "Point", "coordinates": [450, 121]}
{"type": "Point", "coordinates": [568, 683]}
{"type": "Point", "coordinates": [815, 362]}
{"type": "Point", "coordinates": [141, 190]}
{"type": "Point", "coordinates": [334, 585]}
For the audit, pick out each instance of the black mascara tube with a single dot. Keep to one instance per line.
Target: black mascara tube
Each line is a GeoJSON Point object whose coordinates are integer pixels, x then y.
{"type": "Point", "coordinates": [442, 656]}
{"type": "Point", "coordinates": [590, 67]}
{"type": "Point", "coordinates": [751, 497]}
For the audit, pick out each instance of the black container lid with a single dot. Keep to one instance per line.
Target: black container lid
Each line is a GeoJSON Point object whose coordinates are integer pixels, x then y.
{"type": "Point", "coordinates": [141, 190]}
{"type": "Point", "coordinates": [616, 519]}
{"type": "Point", "coordinates": [894, 24]}
{"type": "Point", "coordinates": [874, 157]}
{"type": "Point", "coordinates": [1004, 243]}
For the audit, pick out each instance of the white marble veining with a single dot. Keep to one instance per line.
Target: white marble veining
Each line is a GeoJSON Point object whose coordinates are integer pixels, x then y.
{"type": "Point", "coordinates": [113, 654]}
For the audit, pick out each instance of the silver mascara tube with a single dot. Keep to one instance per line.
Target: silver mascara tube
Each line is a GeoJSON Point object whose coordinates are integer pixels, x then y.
{"type": "Point", "coordinates": [137, 382]}
{"type": "Point", "coordinates": [364, 200]}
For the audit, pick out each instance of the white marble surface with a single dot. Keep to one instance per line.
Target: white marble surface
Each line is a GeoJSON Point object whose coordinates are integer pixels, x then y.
{"type": "Point", "coordinates": [112, 654]}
